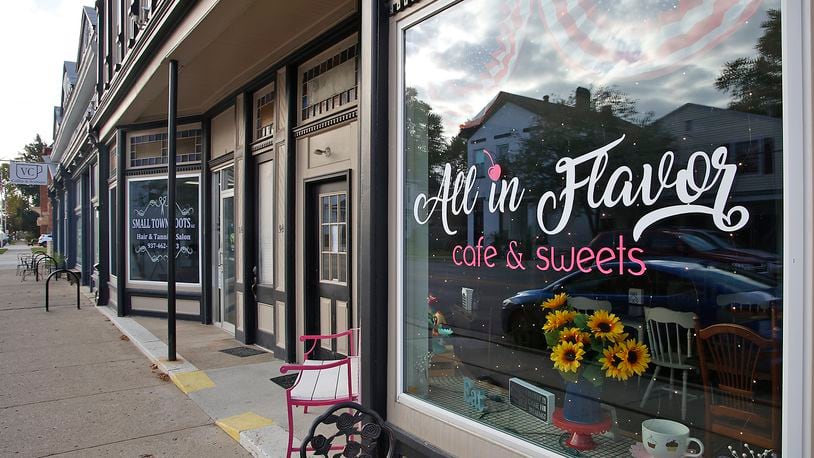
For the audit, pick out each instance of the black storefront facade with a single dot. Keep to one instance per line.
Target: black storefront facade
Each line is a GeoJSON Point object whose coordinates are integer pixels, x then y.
{"type": "Point", "coordinates": [498, 193]}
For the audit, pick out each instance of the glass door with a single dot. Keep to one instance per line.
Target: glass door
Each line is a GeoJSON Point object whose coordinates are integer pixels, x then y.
{"type": "Point", "coordinates": [227, 309]}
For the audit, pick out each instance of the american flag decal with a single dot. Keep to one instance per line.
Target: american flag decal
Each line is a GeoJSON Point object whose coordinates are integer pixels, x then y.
{"type": "Point", "coordinates": [612, 40]}
{"type": "Point", "coordinates": [512, 34]}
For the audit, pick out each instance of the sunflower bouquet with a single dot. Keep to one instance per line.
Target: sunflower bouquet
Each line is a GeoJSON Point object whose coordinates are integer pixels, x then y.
{"type": "Point", "coordinates": [593, 345]}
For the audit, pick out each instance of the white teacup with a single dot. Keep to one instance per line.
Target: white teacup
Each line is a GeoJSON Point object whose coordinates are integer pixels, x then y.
{"type": "Point", "coordinates": [668, 439]}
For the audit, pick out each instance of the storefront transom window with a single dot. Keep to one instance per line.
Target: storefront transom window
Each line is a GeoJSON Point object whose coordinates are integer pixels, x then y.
{"type": "Point", "coordinates": [591, 252]}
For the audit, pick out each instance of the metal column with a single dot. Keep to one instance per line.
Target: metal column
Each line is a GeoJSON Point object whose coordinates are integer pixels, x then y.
{"type": "Point", "coordinates": [172, 113]}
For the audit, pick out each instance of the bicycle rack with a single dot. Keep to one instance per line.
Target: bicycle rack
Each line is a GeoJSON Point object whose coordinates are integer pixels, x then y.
{"type": "Point", "coordinates": [76, 277]}
{"type": "Point", "coordinates": [37, 265]}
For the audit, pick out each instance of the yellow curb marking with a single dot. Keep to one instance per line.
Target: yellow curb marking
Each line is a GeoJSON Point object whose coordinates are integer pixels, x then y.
{"type": "Point", "coordinates": [189, 382]}
{"type": "Point", "coordinates": [243, 422]}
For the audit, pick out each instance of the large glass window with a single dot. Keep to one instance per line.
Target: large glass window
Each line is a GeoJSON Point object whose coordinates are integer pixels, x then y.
{"type": "Point", "coordinates": [147, 223]}
{"type": "Point", "coordinates": [150, 150]}
{"type": "Point", "coordinates": [619, 258]}
{"type": "Point", "coordinates": [266, 230]}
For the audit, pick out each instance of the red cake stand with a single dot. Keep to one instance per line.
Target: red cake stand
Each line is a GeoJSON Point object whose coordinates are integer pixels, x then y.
{"type": "Point", "coordinates": [581, 432]}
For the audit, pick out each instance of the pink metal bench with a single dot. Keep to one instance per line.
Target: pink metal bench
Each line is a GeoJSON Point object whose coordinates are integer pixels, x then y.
{"type": "Point", "coordinates": [322, 382]}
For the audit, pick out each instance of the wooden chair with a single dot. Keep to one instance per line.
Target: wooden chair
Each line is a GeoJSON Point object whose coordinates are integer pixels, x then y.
{"type": "Point", "coordinates": [375, 439]}
{"type": "Point", "coordinates": [729, 355]}
{"type": "Point", "coordinates": [670, 334]}
{"type": "Point", "coordinates": [322, 382]}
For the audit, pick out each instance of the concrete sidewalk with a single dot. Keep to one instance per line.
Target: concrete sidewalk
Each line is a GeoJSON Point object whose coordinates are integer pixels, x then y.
{"type": "Point", "coordinates": [235, 391]}
{"type": "Point", "coordinates": [70, 385]}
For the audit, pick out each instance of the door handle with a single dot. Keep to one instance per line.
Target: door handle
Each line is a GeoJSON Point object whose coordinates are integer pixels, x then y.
{"type": "Point", "coordinates": [254, 283]}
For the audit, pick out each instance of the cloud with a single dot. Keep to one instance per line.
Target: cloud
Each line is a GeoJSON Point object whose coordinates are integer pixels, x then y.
{"type": "Point", "coordinates": [451, 56]}
{"type": "Point", "coordinates": [37, 37]}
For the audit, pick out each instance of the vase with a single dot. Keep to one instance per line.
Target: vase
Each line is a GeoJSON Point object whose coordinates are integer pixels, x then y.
{"type": "Point", "coordinates": [581, 404]}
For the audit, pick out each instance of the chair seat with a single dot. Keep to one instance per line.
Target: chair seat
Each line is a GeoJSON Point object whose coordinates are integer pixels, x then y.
{"type": "Point", "coordinates": [326, 384]}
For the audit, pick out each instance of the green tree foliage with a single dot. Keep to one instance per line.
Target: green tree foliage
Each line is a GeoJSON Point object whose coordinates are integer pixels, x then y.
{"type": "Point", "coordinates": [755, 83]}
{"type": "Point", "coordinates": [425, 139]}
{"type": "Point", "coordinates": [20, 200]}
{"type": "Point", "coordinates": [20, 215]}
{"type": "Point", "coordinates": [32, 152]}
{"type": "Point", "coordinates": [427, 149]}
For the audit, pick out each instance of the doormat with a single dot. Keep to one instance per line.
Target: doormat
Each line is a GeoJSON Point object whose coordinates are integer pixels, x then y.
{"type": "Point", "coordinates": [242, 351]}
{"type": "Point", "coordinates": [285, 381]}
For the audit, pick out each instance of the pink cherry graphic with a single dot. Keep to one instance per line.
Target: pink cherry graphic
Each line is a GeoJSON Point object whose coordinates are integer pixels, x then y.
{"type": "Point", "coordinates": [494, 171]}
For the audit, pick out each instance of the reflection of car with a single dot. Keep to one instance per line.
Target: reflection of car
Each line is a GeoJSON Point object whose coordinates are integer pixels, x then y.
{"type": "Point", "coordinates": [682, 285]}
{"type": "Point", "coordinates": [774, 264]}
{"type": "Point", "coordinates": [661, 243]}
{"type": "Point", "coordinates": [44, 239]}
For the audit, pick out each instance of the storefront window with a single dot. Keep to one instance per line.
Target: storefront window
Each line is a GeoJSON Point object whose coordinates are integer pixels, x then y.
{"type": "Point", "coordinates": [114, 232]}
{"type": "Point", "coordinates": [78, 219]}
{"type": "Point", "coordinates": [147, 222]}
{"type": "Point", "coordinates": [592, 208]}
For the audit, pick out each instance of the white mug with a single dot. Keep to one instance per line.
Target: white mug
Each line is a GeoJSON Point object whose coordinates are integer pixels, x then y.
{"type": "Point", "coordinates": [668, 439]}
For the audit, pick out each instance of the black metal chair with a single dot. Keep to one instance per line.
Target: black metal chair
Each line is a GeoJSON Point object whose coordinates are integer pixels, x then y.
{"type": "Point", "coordinates": [358, 422]}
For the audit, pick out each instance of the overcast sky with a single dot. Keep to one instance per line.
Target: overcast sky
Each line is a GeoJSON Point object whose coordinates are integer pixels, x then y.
{"type": "Point", "coordinates": [37, 36]}
{"type": "Point", "coordinates": [459, 60]}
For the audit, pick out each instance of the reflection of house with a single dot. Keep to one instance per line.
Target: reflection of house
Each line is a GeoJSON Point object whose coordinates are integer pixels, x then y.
{"type": "Point", "coordinates": [504, 128]}
{"type": "Point", "coordinates": [753, 141]}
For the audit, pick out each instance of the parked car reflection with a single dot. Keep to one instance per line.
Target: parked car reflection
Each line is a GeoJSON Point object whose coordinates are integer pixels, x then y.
{"type": "Point", "coordinates": [774, 265]}
{"type": "Point", "coordinates": [695, 244]}
{"type": "Point", "coordinates": [687, 285]}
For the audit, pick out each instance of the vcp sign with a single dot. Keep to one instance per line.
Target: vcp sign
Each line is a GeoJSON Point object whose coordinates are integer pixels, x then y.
{"type": "Point", "coordinates": [28, 173]}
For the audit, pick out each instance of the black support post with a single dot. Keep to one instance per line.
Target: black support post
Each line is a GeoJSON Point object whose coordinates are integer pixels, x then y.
{"type": "Point", "coordinates": [172, 114]}
{"type": "Point", "coordinates": [121, 224]}
{"type": "Point", "coordinates": [206, 223]}
{"type": "Point", "coordinates": [54, 232]}
{"type": "Point", "coordinates": [373, 259]}
{"type": "Point", "coordinates": [249, 197]}
{"type": "Point", "coordinates": [290, 220]}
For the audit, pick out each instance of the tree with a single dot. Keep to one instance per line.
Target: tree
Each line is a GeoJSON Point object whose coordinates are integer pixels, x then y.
{"type": "Point", "coordinates": [424, 134]}
{"type": "Point", "coordinates": [755, 83]}
{"type": "Point", "coordinates": [19, 213]}
{"type": "Point", "coordinates": [32, 152]}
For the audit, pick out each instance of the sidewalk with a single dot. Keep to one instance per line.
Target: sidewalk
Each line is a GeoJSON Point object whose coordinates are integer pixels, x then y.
{"type": "Point", "coordinates": [233, 390]}
{"type": "Point", "coordinates": [71, 386]}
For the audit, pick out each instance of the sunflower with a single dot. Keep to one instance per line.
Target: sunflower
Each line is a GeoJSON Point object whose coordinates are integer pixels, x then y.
{"type": "Point", "coordinates": [575, 335]}
{"type": "Point", "coordinates": [558, 319]}
{"type": "Point", "coordinates": [606, 325]}
{"type": "Point", "coordinates": [634, 356]}
{"type": "Point", "coordinates": [567, 356]}
{"type": "Point", "coordinates": [612, 363]}
{"type": "Point", "coordinates": [556, 302]}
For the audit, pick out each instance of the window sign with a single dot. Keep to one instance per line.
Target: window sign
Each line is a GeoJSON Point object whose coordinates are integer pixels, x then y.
{"type": "Point", "coordinates": [582, 185]}
{"type": "Point", "coordinates": [147, 224]}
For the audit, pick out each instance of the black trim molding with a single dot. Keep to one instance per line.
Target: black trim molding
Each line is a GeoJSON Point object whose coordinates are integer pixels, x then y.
{"type": "Point", "coordinates": [220, 160]}
{"type": "Point", "coordinates": [330, 121]}
{"type": "Point", "coordinates": [161, 170]}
